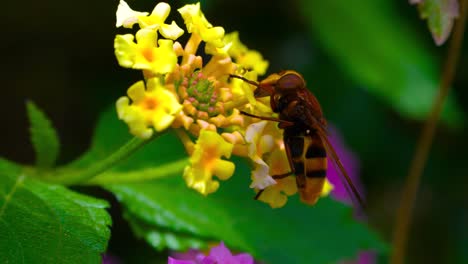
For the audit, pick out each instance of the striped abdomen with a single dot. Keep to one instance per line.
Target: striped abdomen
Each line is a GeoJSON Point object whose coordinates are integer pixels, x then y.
{"type": "Point", "coordinates": [309, 159]}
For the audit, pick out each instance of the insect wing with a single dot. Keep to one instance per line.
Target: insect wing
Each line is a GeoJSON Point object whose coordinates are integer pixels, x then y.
{"type": "Point", "coordinates": [351, 189]}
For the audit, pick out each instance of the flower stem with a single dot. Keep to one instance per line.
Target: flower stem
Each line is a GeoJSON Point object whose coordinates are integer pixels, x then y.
{"type": "Point", "coordinates": [191, 47]}
{"type": "Point", "coordinates": [162, 171]}
{"type": "Point", "coordinates": [408, 197]}
{"type": "Point", "coordinates": [188, 143]}
{"type": "Point", "coordinates": [65, 176]}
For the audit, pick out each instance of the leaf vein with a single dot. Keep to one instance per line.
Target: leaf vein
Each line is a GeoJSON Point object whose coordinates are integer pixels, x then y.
{"type": "Point", "coordinates": [9, 195]}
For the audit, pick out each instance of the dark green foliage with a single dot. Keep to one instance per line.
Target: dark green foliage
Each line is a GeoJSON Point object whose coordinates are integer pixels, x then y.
{"type": "Point", "coordinates": [44, 223]}
{"type": "Point", "coordinates": [168, 214]}
{"type": "Point", "coordinates": [43, 137]}
{"type": "Point", "coordinates": [381, 54]}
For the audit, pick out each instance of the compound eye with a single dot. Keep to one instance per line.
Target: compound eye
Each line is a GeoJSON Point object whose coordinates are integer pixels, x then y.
{"type": "Point", "coordinates": [290, 81]}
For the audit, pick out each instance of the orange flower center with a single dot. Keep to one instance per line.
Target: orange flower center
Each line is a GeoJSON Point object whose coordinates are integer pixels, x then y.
{"type": "Point", "coordinates": [150, 104]}
{"type": "Point", "coordinates": [209, 155]}
{"type": "Point", "coordinates": [148, 54]}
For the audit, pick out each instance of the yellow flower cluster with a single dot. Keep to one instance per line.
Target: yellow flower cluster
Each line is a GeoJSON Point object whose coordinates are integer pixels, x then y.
{"type": "Point", "coordinates": [198, 100]}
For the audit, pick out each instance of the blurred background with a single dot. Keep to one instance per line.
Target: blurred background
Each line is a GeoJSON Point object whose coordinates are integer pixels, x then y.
{"type": "Point", "coordinates": [373, 65]}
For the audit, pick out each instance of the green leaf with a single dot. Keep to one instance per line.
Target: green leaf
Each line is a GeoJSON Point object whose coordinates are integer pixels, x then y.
{"type": "Point", "coordinates": [161, 238]}
{"type": "Point", "coordinates": [294, 234]}
{"type": "Point", "coordinates": [181, 210]}
{"type": "Point", "coordinates": [168, 214]}
{"type": "Point", "coordinates": [43, 137]}
{"type": "Point", "coordinates": [440, 15]}
{"type": "Point", "coordinates": [111, 133]}
{"type": "Point", "coordinates": [378, 50]}
{"type": "Point", "coordinates": [44, 223]}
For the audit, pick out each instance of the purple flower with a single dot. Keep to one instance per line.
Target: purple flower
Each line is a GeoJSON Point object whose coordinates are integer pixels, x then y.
{"type": "Point", "coordinates": [350, 163]}
{"type": "Point", "coordinates": [191, 254]}
{"type": "Point", "coordinates": [218, 254]}
{"type": "Point", "coordinates": [364, 257]}
{"type": "Point", "coordinates": [109, 259]}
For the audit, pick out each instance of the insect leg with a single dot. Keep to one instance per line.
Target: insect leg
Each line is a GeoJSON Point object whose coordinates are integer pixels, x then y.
{"type": "Point", "coordinates": [244, 79]}
{"type": "Point", "coordinates": [258, 194]}
{"type": "Point", "coordinates": [284, 175]}
{"type": "Point", "coordinates": [284, 123]}
{"type": "Point", "coordinates": [290, 161]}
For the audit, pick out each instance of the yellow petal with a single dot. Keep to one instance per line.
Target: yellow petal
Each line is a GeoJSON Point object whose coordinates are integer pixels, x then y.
{"type": "Point", "coordinates": [252, 135]}
{"type": "Point", "coordinates": [144, 54]}
{"type": "Point", "coordinates": [162, 122]}
{"type": "Point", "coordinates": [265, 144]}
{"type": "Point", "coordinates": [172, 31]}
{"type": "Point", "coordinates": [121, 105]}
{"type": "Point", "coordinates": [288, 185]}
{"type": "Point", "coordinates": [261, 178]}
{"type": "Point", "coordinates": [206, 161]}
{"type": "Point", "coordinates": [197, 23]}
{"type": "Point", "coordinates": [146, 38]}
{"type": "Point", "coordinates": [154, 107]}
{"type": "Point", "coordinates": [244, 89]}
{"type": "Point", "coordinates": [247, 59]}
{"type": "Point", "coordinates": [161, 11]}
{"type": "Point", "coordinates": [253, 60]}
{"type": "Point", "coordinates": [213, 36]}
{"type": "Point", "coordinates": [127, 17]}
{"type": "Point", "coordinates": [125, 50]}
{"type": "Point", "coordinates": [200, 181]}
{"type": "Point", "coordinates": [136, 92]}
{"type": "Point", "coordinates": [141, 131]}
{"type": "Point", "coordinates": [155, 22]}
{"type": "Point", "coordinates": [273, 198]}
{"type": "Point", "coordinates": [327, 188]}
{"type": "Point", "coordinates": [237, 48]}
{"type": "Point", "coordinates": [165, 57]}
{"type": "Point", "coordinates": [223, 169]}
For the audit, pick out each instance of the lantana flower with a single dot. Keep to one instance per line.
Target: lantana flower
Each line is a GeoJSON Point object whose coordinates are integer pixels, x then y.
{"type": "Point", "coordinates": [145, 54]}
{"type": "Point", "coordinates": [190, 93]}
{"type": "Point", "coordinates": [198, 25]}
{"type": "Point", "coordinates": [250, 59]}
{"type": "Point", "coordinates": [127, 17]}
{"type": "Point", "coordinates": [218, 254]}
{"type": "Point", "coordinates": [206, 161]}
{"type": "Point", "coordinates": [259, 144]}
{"type": "Point", "coordinates": [153, 107]}
{"type": "Point", "coordinates": [277, 195]}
